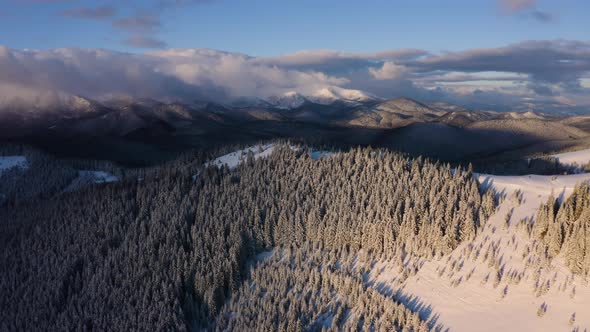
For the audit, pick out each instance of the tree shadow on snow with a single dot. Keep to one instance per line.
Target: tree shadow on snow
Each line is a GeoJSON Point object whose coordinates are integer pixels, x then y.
{"type": "Point", "coordinates": [415, 304]}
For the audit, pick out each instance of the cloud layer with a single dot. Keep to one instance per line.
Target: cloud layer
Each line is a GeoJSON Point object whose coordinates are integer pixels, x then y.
{"type": "Point", "coordinates": [504, 77]}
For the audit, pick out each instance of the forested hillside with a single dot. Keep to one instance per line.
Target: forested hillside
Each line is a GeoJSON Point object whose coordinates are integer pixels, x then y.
{"type": "Point", "coordinates": [174, 251]}
{"type": "Point", "coordinates": [565, 228]}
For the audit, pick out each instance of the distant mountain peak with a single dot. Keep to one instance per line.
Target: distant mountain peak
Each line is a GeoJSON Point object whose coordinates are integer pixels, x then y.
{"type": "Point", "coordinates": [329, 95]}
{"type": "Point", "coordinates": [323, 96]}
{"type": "Point", "coordinates": [288, 100]}
{"type": "Point", "coordinates": [248, 101]}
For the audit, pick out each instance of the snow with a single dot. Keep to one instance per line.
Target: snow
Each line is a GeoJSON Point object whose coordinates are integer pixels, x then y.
{"type": "Point", "coordinates": [575, 158]}
{"type": "Point", "coordinates": [288, 100]}
{"type": "Point", "coordinates": [461, 300]}
{"type": "Point", "coordinates": [9, 162]}
{"type": "Point", "coordinates": [233, 159]}
{"type": "Point", "coordinates": [331, 94]}
{"type": "Point", "coordinates": [536, 186]}
{"type": "Point", "coordinates": [324, 96]}
{"type": "Point", "coordinates": [99, 176]}
{"type": "Point", "coordinates": [86, 178]}
{"type": "Point", "coordinates": [318, 154]}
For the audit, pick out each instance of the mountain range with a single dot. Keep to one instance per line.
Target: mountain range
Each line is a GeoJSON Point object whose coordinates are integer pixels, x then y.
{"type": "Point", "coordinates": [329, 115]}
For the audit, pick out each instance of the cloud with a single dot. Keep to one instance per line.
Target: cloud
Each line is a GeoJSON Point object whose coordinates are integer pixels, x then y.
{"type": "Point", "coordinates": [496, 77]}
{"type": "Point", "coordinates": [336, 62]}
{"type": "Point", "coordinates": [98, 13]}
{"type": "Point", "coordinates": [179, 3]}
{"type": "Point", "coordinates": [142, 26]}
{"type": "Point", "coordinates": [515, 6]}
{"type": "Point", "coordinates": [145, 42]}
{"type": "Point", "coordinates": [527, 9]}
{"type": "Point", "coordinates": [543, 16]}
{"type": "Point", "coordinates": [388, 71]}
{"type": "Point", "coordinates": [549, 61]}
{"type": "Point", "coordinates": [240, 74]}
{"type": "Point", "coordinates": [47, 1]}
{"type": "Point", "coordinates": [140, 22]}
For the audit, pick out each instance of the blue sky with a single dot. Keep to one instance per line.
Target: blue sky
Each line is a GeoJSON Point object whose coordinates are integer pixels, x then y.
{"type": "Point", "coordinates": [501, 54]}
{"type": "Point", "coordinates": [271, 27]}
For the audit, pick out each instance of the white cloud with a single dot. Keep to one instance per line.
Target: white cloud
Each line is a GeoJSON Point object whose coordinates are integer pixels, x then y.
{"type": "Point", "coordinates": [542, 69]}
{"type": "Point", "coordinates": [389, 71]}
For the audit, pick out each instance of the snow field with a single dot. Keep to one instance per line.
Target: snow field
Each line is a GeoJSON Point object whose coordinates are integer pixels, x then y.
{"type": "Point", "coordinates": [492, 283]}
{"type": "Point", "coordinates": [579, 158]}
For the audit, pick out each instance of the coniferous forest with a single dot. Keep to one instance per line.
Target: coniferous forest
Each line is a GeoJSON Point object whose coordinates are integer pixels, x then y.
{"type": "Point", "coordinates": [274, 244]}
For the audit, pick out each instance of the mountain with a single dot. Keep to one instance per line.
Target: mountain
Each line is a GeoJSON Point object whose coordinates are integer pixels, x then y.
{"type": "Point", "coordinates": [330, 95]}
{"type": "Point", "coordinates": [288, 100]}
{"type": "Point", "coordinates": [21, 119]}
{"type": "Point", "coordinates": [464, 118]}
{"type": "Point", "coordinates": [580, 121]}
{"type": "Point", "coordinates": [324, 96]}
{"type": "Point", "coordinates": [246, 102]}
{"type": "Point", "coordinates": [524, 115]}
{"type": "Point", "coordinates": [394, 113]}
{"type": "Point", "coordinates": [333, 116]}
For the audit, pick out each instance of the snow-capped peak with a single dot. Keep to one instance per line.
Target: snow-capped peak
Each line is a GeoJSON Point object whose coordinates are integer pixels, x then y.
{"type": "Point", "coordinates": [324, 96]}
{"type": "Point", "coordinates": [288, 100]}
{"type": "Point", "coordinates": [332, 94]}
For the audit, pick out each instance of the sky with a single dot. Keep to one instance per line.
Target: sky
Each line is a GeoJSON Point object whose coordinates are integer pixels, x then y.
{"type": "Point", "coordinates": [484, 53]}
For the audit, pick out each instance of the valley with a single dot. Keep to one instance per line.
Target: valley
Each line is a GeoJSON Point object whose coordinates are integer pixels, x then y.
{"type": "Point", "coordinates": [122, 129]}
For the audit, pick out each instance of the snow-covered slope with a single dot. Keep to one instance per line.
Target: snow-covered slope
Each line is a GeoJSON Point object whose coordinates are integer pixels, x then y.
{"type": "Point", "coordinates": [323, 96]}
{"type": "Point", "coordinates": [9, 162]}
{"type": "Point", "coordinates": [575, 158]}
{"type": "Point", "coordinates": [460, 292]}
{"type": "Point", "coordinates": [331, 95]}
{"type": "Point", "coordinates": [288, 100]}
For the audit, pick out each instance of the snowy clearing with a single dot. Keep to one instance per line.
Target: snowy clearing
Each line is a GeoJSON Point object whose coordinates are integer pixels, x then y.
{"type": "Point", "coordinates": [9, 162]}
{"type": "Point", "coordinates": [99, 176]}
{"type": "Point", "coordinates": [575, 158]}
{"type": "Point", "coordinates": [233, 159]}
{"type": "Point", "coordinates": [460, 292]}
{"type": "Point", "coordinates": [86, 178]}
